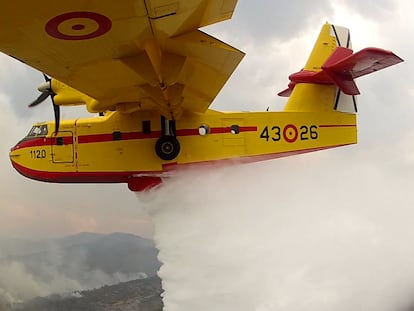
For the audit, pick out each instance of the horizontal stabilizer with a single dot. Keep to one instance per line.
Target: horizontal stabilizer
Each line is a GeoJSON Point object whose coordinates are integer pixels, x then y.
{"type": "Point", "coordinates": [286, 92]}
{"type": "Point", "coordinates": [343, 66]}
{"type": "Point", "coordinates": [361, 63]}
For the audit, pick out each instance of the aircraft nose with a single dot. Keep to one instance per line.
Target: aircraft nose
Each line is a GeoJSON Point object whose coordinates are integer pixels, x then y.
{"type": "Point", "coordinates": [14, 153]}
{"type": "Point", "coordinates": [18, 162]}
{"type": "Point", "coordinates": [28, 158]}
{"type": "Point", "coordinates": [12, 149]}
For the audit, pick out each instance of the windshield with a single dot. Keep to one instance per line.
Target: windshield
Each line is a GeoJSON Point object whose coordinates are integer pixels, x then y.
{"type": "Point", "coordinates": [38, 130]}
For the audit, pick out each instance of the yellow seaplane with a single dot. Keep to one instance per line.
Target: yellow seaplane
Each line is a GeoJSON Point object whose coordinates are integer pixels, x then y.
{"type": "Point", "coordinates": [149, 74]}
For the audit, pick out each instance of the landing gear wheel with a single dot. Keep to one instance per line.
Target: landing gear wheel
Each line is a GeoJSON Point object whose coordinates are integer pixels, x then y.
{"type": "Point", "coordinates": [167, 148]}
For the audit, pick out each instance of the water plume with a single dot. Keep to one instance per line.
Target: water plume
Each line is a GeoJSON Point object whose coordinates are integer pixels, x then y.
{"type": "Point", "coordinates": [300, 234]}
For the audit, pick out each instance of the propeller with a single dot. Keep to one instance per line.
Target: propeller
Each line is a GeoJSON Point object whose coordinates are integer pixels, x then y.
{"type": "Point", "coordinates": [46, 90]}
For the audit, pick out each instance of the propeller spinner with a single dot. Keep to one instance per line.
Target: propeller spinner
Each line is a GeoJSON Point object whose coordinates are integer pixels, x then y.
{"type": "Point", "coordinates": [46, 90]}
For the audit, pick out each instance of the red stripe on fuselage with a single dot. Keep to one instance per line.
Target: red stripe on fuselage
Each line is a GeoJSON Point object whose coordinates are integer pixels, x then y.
{"type": "Point", "coordinates": [107, 137]}
{"type": "Point", "coordinates": [32, 142]}
{"type": "Point", "coordinates": [73, 177]}
{"type": "Point", "coordinates": [336, 125]}
{"type": "Point", "coordinates": [99, 138]}
{"type": "Point", "coordinates": [42, 141]}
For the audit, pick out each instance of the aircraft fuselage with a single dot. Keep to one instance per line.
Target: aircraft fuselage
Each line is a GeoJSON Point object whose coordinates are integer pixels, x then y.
{"type": "Point", "coordinates": [119, 148]}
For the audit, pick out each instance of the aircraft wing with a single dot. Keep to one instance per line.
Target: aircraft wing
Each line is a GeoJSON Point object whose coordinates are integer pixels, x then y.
{"type": "Point", "coordinates": [147, 54]}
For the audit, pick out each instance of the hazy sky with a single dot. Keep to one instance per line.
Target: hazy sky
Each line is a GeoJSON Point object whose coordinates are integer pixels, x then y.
{"type": "Point", "coordinates": [277, 37]}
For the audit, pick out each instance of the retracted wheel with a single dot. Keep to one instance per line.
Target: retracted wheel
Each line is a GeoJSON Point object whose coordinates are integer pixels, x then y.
{"type": "Point", "coordinates": [167, 147]}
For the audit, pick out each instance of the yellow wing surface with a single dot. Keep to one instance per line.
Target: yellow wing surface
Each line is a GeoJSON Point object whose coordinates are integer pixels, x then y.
{"type": "Point", "coordinates": [125, 55]}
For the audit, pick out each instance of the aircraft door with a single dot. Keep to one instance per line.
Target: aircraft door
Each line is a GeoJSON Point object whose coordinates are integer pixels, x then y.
{"type": "Point", "coordinates": [62, 147]}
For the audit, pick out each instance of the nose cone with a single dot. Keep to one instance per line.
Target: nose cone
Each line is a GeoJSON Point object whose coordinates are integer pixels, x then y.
{"type": "Point", "coordinates": [45, 87]}
{"type": "Point", "coordinates": [15, 153]}
{"type": "Point", "coordinates": [26, 158]}
{"type": "Point", "coordinates": [16, 158]}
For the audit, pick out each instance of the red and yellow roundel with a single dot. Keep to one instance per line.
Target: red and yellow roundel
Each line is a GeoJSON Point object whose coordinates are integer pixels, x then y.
{"type": "Point", "coordinates": [290, 133]}
{"type": "Point", "coordinates": [78, 26]}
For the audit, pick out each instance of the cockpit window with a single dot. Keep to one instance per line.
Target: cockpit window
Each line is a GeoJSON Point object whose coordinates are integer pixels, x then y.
{"type": "Point", "coordinates": [38, 130]}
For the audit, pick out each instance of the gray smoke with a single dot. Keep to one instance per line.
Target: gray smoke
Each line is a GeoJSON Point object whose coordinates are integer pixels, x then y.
{"type": "Point", "coordinates": [18, 284]}
{"type": "Point", "coordinates": [306, 233]}
{"type": "Point", "coordinates": [41, 268]}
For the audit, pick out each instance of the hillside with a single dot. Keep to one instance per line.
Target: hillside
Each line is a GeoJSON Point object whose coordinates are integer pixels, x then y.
{"type": "Point", "coordinates": [137, 295]}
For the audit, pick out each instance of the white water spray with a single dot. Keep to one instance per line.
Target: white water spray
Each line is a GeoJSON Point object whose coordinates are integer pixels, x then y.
{"type": "Point", "coordinates": [283, 235]}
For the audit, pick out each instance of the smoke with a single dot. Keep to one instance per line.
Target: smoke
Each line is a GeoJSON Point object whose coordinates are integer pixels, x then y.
{"type": "Point", "coordinates": [54, 270]}
{"type": "Point", "coordinates": [308, 233]}
{"type": "Point", "coordinates": [17, 284]}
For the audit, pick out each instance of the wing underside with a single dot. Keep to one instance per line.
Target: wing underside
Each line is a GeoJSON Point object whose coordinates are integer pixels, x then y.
{"type": "Point", "coordinates": [146, 54]}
